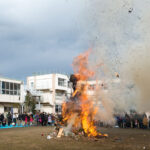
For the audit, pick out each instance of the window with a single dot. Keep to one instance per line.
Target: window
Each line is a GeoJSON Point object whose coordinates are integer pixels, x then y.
{"type": "Point", "coordinates": [3, 92]}
{"type": "Point", "coordinates": [7, 109]}
{"type": "Point", "coordinates": [18, 89]}
{"type": "Point", "coordinates": [32, 84]}
{"type": "Point", "coordinates": [11, 92]}
{"type": "Point", "coordinates": [7, 85]}
{"type": "Point", "coordinates": [58, 108]}
{"type": "Point", "coordinates": [3, 85]}
{"type": "Point", "coordinates": [15, 89]}
{"type": "Point", "coordinates": [10, 88]}
{"type": "Point", "coordinates": [7, 92]}
{"type": "Point", "coordinates": [61, 82]}
{"type": "Point", "coordinates": [15, 86]}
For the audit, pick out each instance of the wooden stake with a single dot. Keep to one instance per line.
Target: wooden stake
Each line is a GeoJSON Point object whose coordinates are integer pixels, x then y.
{"type": "Point", "coordinates": [60, 132]}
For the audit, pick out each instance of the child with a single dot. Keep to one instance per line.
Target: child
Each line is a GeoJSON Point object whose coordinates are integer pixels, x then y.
{"type": "Point", "coordinates": [26, 120]}
{"type": "Point", "coordinates": [31, 120]}
{"type": "Point", "coordinates": [40, 120]}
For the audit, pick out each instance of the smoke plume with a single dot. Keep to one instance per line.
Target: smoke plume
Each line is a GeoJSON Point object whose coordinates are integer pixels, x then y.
{"type": "Point", "coordinates": [119, 36]}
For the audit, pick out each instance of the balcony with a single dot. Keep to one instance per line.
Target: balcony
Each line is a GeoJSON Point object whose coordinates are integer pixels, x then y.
{"type": "Point", "coordinates": [10, 98]}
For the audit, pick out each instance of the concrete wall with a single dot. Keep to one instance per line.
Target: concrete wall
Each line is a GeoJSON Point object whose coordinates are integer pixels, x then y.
{"type": "Point", "coordinates": [40, 82]}
{"type": "Point", "coordinates": [47, 109]}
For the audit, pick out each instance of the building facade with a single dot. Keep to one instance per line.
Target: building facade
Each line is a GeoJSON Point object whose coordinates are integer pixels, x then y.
{"type": "Point", "coordinates": [51, 90]}
{"type": "Point", "coordinates": [96, 89]}
{"type": "Point", "coordinates": [11, 95]}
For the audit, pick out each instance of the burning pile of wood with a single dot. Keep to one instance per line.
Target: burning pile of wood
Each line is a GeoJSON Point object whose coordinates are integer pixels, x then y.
{"type": "Point", "coordinates": [78, 113]}
{"type": "Point", "coordinates": [61, 133]}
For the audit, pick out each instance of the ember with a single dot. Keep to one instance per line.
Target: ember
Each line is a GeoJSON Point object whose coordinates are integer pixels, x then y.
{"type": "Point", "coordinates": [80, 110]}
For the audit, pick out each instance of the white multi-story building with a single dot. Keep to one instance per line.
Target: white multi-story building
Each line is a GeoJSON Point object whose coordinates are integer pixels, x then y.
{"type": "Point", "coordinates": [11, 95]}
{"type": "Point", "coordinates": [51, 89]}
{"type": "Point", "coordinates": [95, 88]}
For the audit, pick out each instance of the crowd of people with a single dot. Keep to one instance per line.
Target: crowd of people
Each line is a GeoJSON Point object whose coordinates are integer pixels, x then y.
{"type": "Point", "coordinates": [134, 120]}
{"type": "Point", "coordinates": [28, 119]}
{"type": "Point", "coordinates": [131, 120]}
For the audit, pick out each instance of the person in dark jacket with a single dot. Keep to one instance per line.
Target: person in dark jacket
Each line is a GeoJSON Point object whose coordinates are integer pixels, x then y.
{"type": "Point", "coordinates": [127, 121]}
{"type": "Point", "coordinates": [43, 118]}
{"type": "Point", "coordinates": [1, 118]}
{"type": "Point", "coordinates": [23, 118]}
{"type": "Point", "coordinates": [19, 119]}
{"type": "Point", "coordinates": [9, 118]}
{"type": "Point", "coordinates": [149, 121]}
{"type": "Point", "coordinates": [46, 119]}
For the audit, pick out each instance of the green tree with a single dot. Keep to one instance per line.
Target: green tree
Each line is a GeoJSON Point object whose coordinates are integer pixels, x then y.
{"type": "Point", "coordinates": [30, 102]}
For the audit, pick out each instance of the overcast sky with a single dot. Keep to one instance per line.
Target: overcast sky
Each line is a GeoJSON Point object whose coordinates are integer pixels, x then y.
{"type": "Point", "coordinates": [45, 35]}
{"type": "Point", "coordinates": [40, 36]}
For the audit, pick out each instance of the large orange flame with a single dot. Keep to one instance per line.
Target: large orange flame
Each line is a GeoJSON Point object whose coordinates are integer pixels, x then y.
{"type": "Point", "coordinates": [85, 108]}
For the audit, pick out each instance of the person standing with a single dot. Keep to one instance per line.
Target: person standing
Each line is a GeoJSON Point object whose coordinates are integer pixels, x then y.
{"type": "Point", "coordinates": [53, 120]}
{"type": "Point", "coordinates": [49, 120]}
{"type": "Point", "coordinates": [1, 118]}
{"type": "Point", "coordinates": [37, 118]}
{"type": "Point", "coordinates": [9, 118]}
{"type": "Point", "coordinates": [19, 119]}
{"type": "Point", "coordinates": [43, 118]}
{"type": "Point", "coordinates": [26, 120]}
{"type": "Point", "coordinates": [145, 122]}
{"type": "Point", "coordinates": [23, 119]}
{"type": "Point", "coordinates": [149, 121]}
{"type": "Point", "coordinates": [31, 120]}
{"type": "Point", "coordinates": [15, 118]}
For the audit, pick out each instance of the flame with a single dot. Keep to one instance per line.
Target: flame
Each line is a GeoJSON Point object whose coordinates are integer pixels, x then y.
{"type": "Point", "coordinates": [84, 106]}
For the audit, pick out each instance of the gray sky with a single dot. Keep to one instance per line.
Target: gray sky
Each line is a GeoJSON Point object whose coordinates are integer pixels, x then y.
{"type": "Point", "coordinates": [45, 35]}
{"type": "Point", "coordinates": [40, 36]}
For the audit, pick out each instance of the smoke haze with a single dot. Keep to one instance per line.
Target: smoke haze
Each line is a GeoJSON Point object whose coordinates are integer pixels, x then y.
{"type": "Point", "coordinates": [119, 36]}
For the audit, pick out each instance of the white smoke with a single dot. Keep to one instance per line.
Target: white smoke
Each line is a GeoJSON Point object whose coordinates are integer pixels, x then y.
{"type": "Point", "coordinates": [119, 36]}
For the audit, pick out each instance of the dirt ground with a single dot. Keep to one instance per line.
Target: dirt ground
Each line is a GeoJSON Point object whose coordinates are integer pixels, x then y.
{"type": "Point", "coordinates": [31, 139]}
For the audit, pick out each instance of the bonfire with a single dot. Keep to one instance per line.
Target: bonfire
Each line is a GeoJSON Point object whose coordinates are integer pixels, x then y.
{"type": "Point", "coordinates": [79, 112]}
